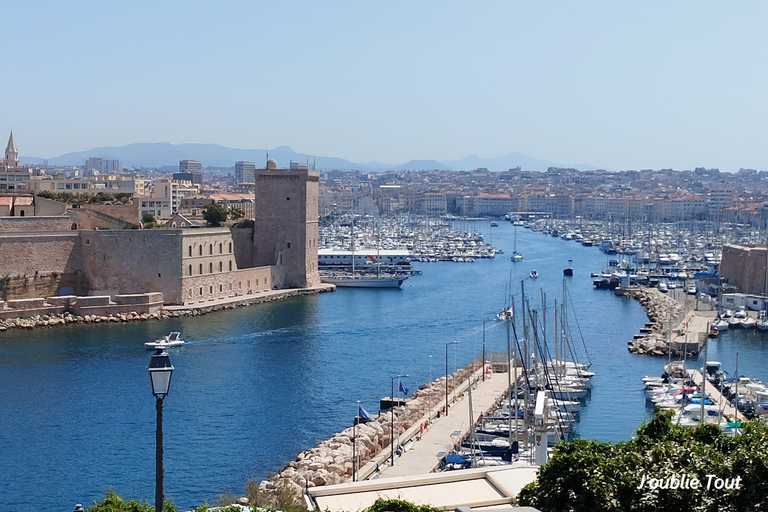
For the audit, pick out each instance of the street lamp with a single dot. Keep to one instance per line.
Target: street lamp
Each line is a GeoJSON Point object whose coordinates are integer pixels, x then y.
{"type": "Point", "coordinates": [446, 373]}
{"type": "Point", "coordinates": [392, 418]}
{"type": "Point", "coordinates": [160, 370]}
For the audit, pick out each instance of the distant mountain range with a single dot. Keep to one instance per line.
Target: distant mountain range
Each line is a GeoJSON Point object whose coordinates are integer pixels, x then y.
{"type": "Point", "coordinates": [159, 154]}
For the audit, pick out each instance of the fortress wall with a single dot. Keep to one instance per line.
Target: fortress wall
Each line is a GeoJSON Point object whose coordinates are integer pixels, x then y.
{"type": "Point", "coordinates": [36, 265]}
{"type": "Point", "coordinates": [202, 288]}
{"type": "Point", "coordinates": [133, 261]}
{"type": "Point", "coordinates": [14, 224]}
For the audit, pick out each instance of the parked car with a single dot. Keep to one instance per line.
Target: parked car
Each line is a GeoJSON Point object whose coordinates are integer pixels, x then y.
{"type": "Point", "coordinates": [663, 287]}
{"type": "Point", "coordinates": [690, 290]}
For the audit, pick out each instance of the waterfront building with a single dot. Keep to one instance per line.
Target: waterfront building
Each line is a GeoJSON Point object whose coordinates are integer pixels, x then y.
{"type": "Point", "coordinates": [285, 225]}
{"type": "Point", "coordinates": [495, 205]}
{"type": "Point", "coordinates": [244, 171]}
{"type": "Point", "coordinates": [192, 167]}
{"type": "Point", "coordinates": [432, 203]}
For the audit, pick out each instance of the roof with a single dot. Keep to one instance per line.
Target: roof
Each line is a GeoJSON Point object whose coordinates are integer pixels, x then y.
{"type": "Point", "coordinates": [480, 487]}
{"type": "Point", "coordinates": [24, 201]}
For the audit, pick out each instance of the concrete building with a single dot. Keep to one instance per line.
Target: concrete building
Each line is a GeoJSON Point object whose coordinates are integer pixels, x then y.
{"type": "Point", "coordinates": [745, 268]}
{"type": "Point", "coordinates": [192, 167]}
{"type": "Point", "coordinates": [103, 165]}
{"type": "Point", "coordinates": [285, 225]}
{"type": "Point", "coordinates": [244, 171]}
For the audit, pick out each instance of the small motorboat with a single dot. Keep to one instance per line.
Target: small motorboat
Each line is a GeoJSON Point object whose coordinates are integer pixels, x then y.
{"type": "Point", "coordinates": [713, 331]}
{"type": "Point", "coordinates": [533, 274]}
{"type": "Point", "coordinates": [167, 341]}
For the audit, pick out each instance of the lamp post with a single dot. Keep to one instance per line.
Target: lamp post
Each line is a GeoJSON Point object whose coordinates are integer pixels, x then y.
{"type": "Point", "coordinates": [160, 370]}
{"type": "Point", "coordinates": [355, 421]}
{"type": "Point", "coordinates": [392, 418]}
{"type": "Point", "coordinates": [446, 373]}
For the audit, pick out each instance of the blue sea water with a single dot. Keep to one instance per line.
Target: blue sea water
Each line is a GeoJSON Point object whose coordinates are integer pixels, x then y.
{"type": "Point", "coordinates": [256, 385]}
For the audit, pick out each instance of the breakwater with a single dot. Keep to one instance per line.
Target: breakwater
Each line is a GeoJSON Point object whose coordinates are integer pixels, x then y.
{"type": "Point", "coordinates": [663, 312]}
{"type": "Point", "coordinates": [50, 320]}
{"type": "Point", "coordinates": [330, 462]}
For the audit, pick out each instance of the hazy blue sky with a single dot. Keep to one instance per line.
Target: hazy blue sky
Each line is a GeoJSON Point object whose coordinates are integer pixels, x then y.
{"type": "Point", "coordinates": [623, 85]}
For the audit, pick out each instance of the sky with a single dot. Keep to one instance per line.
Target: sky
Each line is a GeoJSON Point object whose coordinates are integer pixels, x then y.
{"type": "Point", "coordinates": [616, 85]}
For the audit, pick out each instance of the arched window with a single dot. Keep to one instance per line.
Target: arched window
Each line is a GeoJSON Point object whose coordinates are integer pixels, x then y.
{"type": "Point", "coordinates": [210, 249]}
{"type": "Point", "coordinates": [230, 265]}
{"type": "Point", "coordinates": [221, 266]}
{"type": "Point", "coordinates": [190, 251]}
{"type": "Point", "coordinates": [190, 270]}
{"type": "Point", "coordinates": [201, 270]}
{"type": "Point", "coordinates": [200, 250]}
{"type": "Point", "coordinates": [230, 247]}
{"type": "Point", "coordinates": [221, 248]}
{"type": "Point", "coordinates": [210, 268]}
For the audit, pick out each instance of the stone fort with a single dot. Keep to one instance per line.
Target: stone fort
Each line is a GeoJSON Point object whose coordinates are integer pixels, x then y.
{"type": "Point", "coordinates": [188, 266]}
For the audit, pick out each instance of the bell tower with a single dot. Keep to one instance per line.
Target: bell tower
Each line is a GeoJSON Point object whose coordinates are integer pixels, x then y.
{"type": "Point", "coordinates": [11, 154]}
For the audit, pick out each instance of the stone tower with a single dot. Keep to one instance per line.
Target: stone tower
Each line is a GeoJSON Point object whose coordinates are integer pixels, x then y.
{"type": "Point", "coordinates": [285, 224]}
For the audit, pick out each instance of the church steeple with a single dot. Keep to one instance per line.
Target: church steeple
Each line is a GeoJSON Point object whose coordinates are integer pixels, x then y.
{"type": "Point", "coordinates": [11, 153]}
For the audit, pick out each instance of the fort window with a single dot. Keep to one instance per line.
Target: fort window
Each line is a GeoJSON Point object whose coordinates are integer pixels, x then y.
{"type": "Point", "coordinates": [201, 291]}
{"type": "Point", "coordinates": [210, 289]}
{"type": "Point", "coordinates": [200, 250]}
{"type": "Point", "coordinates": [287, 198]}
{"type": "Point", "coordinates": [190, 270]}
{"type": "Point", "coordinates": [289, 245]}
{"type": "Point", "coordinates": [221, 266]}
{"type": "Point", "coordinates": [201, 269]}
{"type": "Point", "coordinates": [87, 241]}
{"type": "Point", "coordinates": [221, 288]}
{"type": "Point", "coordinates": [190, 250]}
{"type": "Point", "coordinates": [210, 268]}
{"type": "Point", "coordinates": [221, 248]}
{"type": "Point", "coordinates": [210, 249]}
{"type": "Point", "coordinates": [158, 274]}
{"type": "Point", "coordinates": [230, 266]}
{"type": "Point", "coordinates": [230, 247]}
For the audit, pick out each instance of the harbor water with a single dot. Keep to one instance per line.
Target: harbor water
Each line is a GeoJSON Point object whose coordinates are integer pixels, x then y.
{"type": "Point", "coordinates": [256, 385]}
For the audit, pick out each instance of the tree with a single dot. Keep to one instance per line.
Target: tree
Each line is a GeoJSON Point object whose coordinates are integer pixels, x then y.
{"type": "Point", "coordinates": [214, 214]}
{"type": "Point", "coordinates": [656, 470]}
{"type": "Point", "coordinates": [236, 213]}
{"type": "Point", "coordinates": [114, 503]}
{"type": "Point", "coordinates": [147, 218]}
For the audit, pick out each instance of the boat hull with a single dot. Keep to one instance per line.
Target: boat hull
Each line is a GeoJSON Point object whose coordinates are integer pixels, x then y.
{"type": "Point", "coordinates": [365, 282]}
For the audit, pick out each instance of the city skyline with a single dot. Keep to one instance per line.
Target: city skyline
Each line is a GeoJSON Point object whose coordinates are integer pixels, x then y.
{"type": "Point", "coordinates": [598, 84]}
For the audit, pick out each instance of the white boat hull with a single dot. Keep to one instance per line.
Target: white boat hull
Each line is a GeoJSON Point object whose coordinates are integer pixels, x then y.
{"type": "Point", "coordinates": [365, 282]}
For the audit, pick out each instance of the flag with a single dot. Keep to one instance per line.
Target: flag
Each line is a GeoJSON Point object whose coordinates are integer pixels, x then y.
{"type": "Point", "coordinates": [362, 413]}
{"type": "Point", "coordinates": [403, 389]}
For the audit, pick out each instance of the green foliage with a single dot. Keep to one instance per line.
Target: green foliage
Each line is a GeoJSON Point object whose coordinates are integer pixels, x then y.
{"type": "Point", "coordinates": [382, 505]}
{"type": "Point", "coordinates": [214, 214]}
{"type": "Point", "coordinates": [148, 219]}
{"type": "Point", "coordinates": [114, 503]}
{"type": "Point", "coordinates": [284, 497]}
{"type": "Point", "coordinates": [585, 475]}
{"type": "Point", "coordinates": [236, 213]}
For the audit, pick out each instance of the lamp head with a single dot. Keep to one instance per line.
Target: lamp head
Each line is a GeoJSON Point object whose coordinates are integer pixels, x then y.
{"type": "Point", "coordinates": [160, 370]}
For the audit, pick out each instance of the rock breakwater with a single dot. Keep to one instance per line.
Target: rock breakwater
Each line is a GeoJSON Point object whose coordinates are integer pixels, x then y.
{"type": "Point", "coordinates": [330, 462]}
{"type": "Point", "coordinates": [172, 312]}
{"type": "Point", "coordinates": [663, 312]}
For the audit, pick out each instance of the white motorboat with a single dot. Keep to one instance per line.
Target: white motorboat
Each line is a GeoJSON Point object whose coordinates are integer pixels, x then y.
{"type": "Point", "coordinates": [167, 341]}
